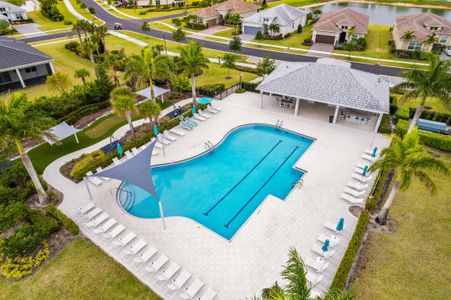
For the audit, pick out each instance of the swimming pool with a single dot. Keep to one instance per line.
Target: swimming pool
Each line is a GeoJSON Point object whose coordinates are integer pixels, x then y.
{"type": "Point", "coordinates": [222, 188]}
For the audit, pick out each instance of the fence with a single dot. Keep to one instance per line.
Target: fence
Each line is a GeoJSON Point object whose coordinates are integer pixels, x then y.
{"type": "Point", "coordinates": [227, 92]}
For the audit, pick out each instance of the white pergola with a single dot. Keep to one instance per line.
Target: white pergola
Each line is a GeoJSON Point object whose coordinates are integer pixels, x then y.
{"type": "Point", "coordinates": [62, 131]}
{"type": "Point", "coordinates": [158, 92]}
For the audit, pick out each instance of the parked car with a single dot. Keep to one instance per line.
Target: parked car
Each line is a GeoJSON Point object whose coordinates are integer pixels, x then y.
{"type": "Point", "coordinates": [448, 51]}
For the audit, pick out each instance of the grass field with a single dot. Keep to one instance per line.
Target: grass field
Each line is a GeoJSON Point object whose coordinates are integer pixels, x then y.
{"type": "Point", "coordinates": [79, 271]}
{"type": "Point", "coordinates": [144, 12]}
{"type": "Point", "coordinates": [47, 24]}
{"type": "Point", "coordinates": [413, 262]}
{"type": "Point", "coordinates": [435, 104]}
{"type": "Point", "coordinates": [294, 40]}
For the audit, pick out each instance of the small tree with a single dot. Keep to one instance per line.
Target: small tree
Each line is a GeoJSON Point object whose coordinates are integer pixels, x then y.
{"type": "Point", "coordinates": [87, 48]}
{"type": "Point", "coordinates": [82, 73]}
{"type": "Point", "coordinates": [299, 28]}
{"type": "Point", "coordinates": [58, 82]}
{"type": "Point", "coordinates": [228, 62]}
{"type": "Point", "coordinates": [259, 35]}
{"type": "Point", "coordinates": [431, 40]}
{"type": "Point", "coordinates": [407, 36]}
{"type": "Point", "coordinates": [124, 104]}
{"type": "Point", "coordinates": [317, 12]}
{"type": "Point", "coordinates": [178, 35]}
{"type": "Point", "coordinates": [266, 66]}
{"type": "Point", "coordinates": [235, 44]}
{"type": "Point", "coordinates": [274, 28]}
{"type": "Point", "coordinates": [151, 109]}
{"type": "Point", "coordinates": [145, 27]}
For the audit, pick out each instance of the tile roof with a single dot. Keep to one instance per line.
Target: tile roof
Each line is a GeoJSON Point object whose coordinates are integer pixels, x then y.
{"type": "Point", "coordinates": [331, 21]}
{"type": "Point", "coordinates": [232, 6]}
{"type": "Point", "coordinates": [15, 53]}
{"type": "Point", "coordinates": [418, 23]}
{"type": "Point", "coordinates": [329, 81]}
{"type": "Point", "coordinates": [281, 14]}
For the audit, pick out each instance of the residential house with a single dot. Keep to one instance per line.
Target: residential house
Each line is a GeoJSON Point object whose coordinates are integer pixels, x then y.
{"type": "Point", "coordinates": [214, 15]}
{"type": "Point", "coordinates": [144, 3]}
{"type": "Point", "coordinates": [12, 13]}
{"type": "Point", "coordinates": [22, 65]}
{"type": "Point", "coordinates": [333, 27]}
{"type": "Point", "coordinates": [287, 17]}
{"type": "Point", "coordinates": [422, 25]}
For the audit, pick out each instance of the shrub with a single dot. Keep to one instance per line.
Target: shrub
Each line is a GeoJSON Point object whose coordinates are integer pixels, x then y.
{"type": "Point", "coordinates": [401, 127]}
{"type": "Point", "coordinates": [142, 13]}
{"type": "Point", "coordinates": [70, 225]}
{"type": "Point", "coordinates": [432, 115]}
{"type": "Point", "coordinates": [402, 114]}
{"type": "Point", "coordinates": [240, 91]}
{"type": "Point", "coordinates": [198, 26]}
{"type": "Point", "coordinates": [42, 224]}
{"type": "Point", "coordinates": [12, 214]}
{"type": "Point", "coordinates": [385, 126]}
{"type": "Point", "coordinates": [308, 41]}
{"type": "Point", "coordinates": [77, 114]}
{"type": "Point", "coordinates": [248, 86]}
{"type": "Point", "coordinates": [92, 10]}
{"type": "Point", "coordinates": [89, 163]}
{"type": "Point", "coordinates": [23, 241]}
{"type": "Point", "coordinates": [245, 69]}
{"type": "Point", "coordinates": [211, 90]}
{"type": "Point", "coordinates": [72, 46]}
{"type": "Point", "coordinates": [259, 35]}
{"type": "Point", "coordinates": [436, 140]}
{"type": "Point", "coordinates": [299, 30]}
{"type": "Point", "coordinates": [341, 276]}
{"type": "Point", "coordinates": [67, 22]}
{"type": "Point", "coordinates": [176, 21]}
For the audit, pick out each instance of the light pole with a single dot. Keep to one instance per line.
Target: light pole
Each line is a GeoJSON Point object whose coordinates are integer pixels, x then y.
{"type": "Point", "coordinates": [219, 59]}
{"type": "Point", "coordinates": [165, 48]}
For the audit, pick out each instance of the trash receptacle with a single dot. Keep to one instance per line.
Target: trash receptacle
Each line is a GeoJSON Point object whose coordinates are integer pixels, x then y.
{"type": "Point", "coordinates": [331, 119]}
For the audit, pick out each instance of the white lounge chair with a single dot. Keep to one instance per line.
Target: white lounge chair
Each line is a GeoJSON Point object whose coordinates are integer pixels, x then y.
{"type": "Point", "coordinates": [359, 171]}
{"type": "Point", "coordinates": [192, 289]}
{"type": "Point", "coordinates": [363, 165]}
{"type": "Point", "coordinates": [136, 247]}
{"type": "Point", "coordinates": [123, 241]}
{"type": "Point", "coordinates": [351, 199]}
{"type": "Point", "coordinates": [84, 209]}
{"type": "Point", "coordinates": [199, 117]}
{"type": "Point", "coordinates": [318, 249]}
{"type": "Point", "coordinates": [105, 226]}
{"type": "Point", "coordinates": [166, 274]}
{"type": "Point", "coordinates": [369, 157]}
{"type": "Point", "coordinates": [216, 108]}
{"type": "Point", "coordinates": [204, 114]}
{"type": "Point", "coordinates": [135, 151]}
{"type": "Point", "coordinates": [178, 282]}
{"type": "Point", "coordinates": [92, 213]}
{"type": "Point", "coordinates": [100, 169]}
{"type": "Point", "coordinates": [358, 186]}
{"type": "Point", "coordinates": [208, 295]}
{"type": "Point", "coordinates": [114, 232]}
{"type": "Point", "coordinates": [168, 136]}
{"type": "Point", "coordinates": [116, 161]}
{"type": "Point", "coordinates": [333, 239]}
{"type": "Point", "coordinates": [212, 110]}
{"type": "Point", "coordinates": [156, 265]}
{"type": "Point", "coordinates": [354, 193]}
{"type": "Point", "coordinates": [315, 293]}
{"type": "Point", "coordinates": [333, 227]}
{"type": "Point", "coordinates": [145, 256]}
{"type": "Point", "coordinates": [370, 152]}
{"type": "Point", "coordinates": [318, 264]}
{"type": "Point", "coordinates": [162, 139]}
{"type": "Point", "coordinates": [95, 180]}
{"type": "Point", "coordinates": [128, 154]}
{"type": "Point", "coordinates": [97, 220]}
{"type": "Point", "coordinates": [362, 178]}
{"type": "Point", "coordinates": [177, 131]}
{"type": "Point", "coordinates": [313, 279]}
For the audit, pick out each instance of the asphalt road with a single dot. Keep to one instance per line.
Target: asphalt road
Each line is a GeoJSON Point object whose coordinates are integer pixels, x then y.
{"type": "Point", "coordinates": [135, 25]}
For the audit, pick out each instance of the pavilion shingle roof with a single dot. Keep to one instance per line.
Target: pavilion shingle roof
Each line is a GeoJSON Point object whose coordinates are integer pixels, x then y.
{"type": "Point", "coordinates": [329, 81]}
{"type": "Point", "coordinates": [331, 21]}
{"type": "Point", "coordinates": [15, 53]}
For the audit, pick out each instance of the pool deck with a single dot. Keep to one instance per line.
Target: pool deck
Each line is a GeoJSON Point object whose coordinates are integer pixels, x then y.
{"type": "Point", "coordinates": [254, 258]}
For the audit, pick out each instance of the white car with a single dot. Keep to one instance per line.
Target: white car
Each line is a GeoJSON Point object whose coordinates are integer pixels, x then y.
{"type": "Point", "coordinates": [448, 51]}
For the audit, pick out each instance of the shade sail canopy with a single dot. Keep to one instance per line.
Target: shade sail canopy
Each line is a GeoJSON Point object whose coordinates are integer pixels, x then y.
{"type": "Point", "coordinates": [136, 170]}
{"type": "Point", "coordinates": [60, 132]}
{"type": "Point", "coordinates": [158, 91]}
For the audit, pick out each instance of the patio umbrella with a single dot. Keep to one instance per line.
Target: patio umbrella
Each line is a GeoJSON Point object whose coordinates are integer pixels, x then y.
{"type": "Point", "coordinates": [119, 149]}
{"type": "Point", "coordinates": [374, 152]}
{"type": "Point", "coordinates": [204, 100]}
{"type": "Point", "coordinates": [365, 170]}
{"type": "Point", "coordinates": [340, 225]}
{"type": "Point", "coordinates": [155, 129]}
{"type": "Point", "coordinates": [325, 246]}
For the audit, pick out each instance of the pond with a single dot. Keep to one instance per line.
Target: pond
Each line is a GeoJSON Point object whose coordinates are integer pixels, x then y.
{"type": "Point", "coordinates": [385, 14]}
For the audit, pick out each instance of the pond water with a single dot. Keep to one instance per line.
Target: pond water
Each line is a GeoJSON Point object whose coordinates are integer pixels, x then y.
{"type": "Point", "coordinates": [385, 14]}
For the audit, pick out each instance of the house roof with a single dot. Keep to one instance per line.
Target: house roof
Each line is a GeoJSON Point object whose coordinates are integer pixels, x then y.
{"type": "Point", "coordinates": [281, 14]}
{"type": "Point", "coordinates": [418, 22]}
{"type": "Point", "coordinates": [17, 53]}
{"type": "Point", "coordinates": [231, 6]}
{"type": "Point", "coordinates": [333, 20]}
{"type": "Point", "coordinates": [11, 7]}
{"type": "Point", "coordinates": [329, 81]}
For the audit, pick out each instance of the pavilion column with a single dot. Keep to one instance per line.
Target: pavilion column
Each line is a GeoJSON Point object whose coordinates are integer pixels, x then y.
{"type": "Point", "coordinates": [378, 123]}
{"type": "Point", "coordinates": [20, 78]}
{"type": "Point", "coordinates": [296, 107]}
{"type": "Point", "coordinates": [261, 100]}
{"type": "Point", "coordinates": [337, 109]}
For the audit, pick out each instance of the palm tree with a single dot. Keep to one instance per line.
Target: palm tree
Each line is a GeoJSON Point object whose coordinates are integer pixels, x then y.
{"type": "Point", "coordinates": [124, 104]}
{"type": "Point", "coordinates": [116, 62]}
{"type": "Point", "coordinates": [88, 48]}
{"type": "Point", "coordinates": [431, 40]}
{"type": "Point", "coordinates": [148, 56]}
{"type": "Point", "coordinates": [407, 36]}
{"type": "Point", "coordinates": [18, 123]}
{"type": "Point", "coordinates": [58, 82]}
{"type": "Point", "coordinates": [77, 27]}
{"type": "Point", "coordinates": [82, 73]}
{"type": "Point", "coordinates": [228, 62]}
{"type": "Point", "coordinates": [151, 109]}
{"type": "Point", "coordinates": [164, 68]}
{"type": "Point", "coordinates": [135, 71]}
{"type": "Point", "coordinates": [435, 82]}
{"type": "Point", "coordinates": [408, 158]}
{"type": "Point", "coordinates": [193, 61]}
{"type": "Point", "coordinates": [274, 28]}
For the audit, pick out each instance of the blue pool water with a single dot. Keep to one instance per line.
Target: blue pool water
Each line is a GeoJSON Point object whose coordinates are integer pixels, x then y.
{"type": "Point", "coordinates": [221, 189]}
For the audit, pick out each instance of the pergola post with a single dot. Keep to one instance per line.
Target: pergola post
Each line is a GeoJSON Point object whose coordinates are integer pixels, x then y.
{"type": "Point", "coordinates": [261, 99]}
{"type": "Point", "coordinates": [378, 123]}
{"type": "Point", "coordinates": [20, 78]}
{"type": "Point", "coordinates": [296, 107]}
{"type": "Point", "coordinates": [337, 109]}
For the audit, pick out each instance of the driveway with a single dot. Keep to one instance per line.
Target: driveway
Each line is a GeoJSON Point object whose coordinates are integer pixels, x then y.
{"type": "Point", "coordinates": [211, 31]}
{"type": "Point", "coordinates": [29, 30]}
{"type": "Point", "coordinates": [321, 47]}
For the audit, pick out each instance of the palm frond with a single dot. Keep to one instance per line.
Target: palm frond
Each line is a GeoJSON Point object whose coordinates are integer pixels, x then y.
{"type": "Point", "coordinates": [426, 181]}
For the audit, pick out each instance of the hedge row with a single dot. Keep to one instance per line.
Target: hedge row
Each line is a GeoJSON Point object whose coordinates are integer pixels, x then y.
{"type": "Point", "coordinates": [249, 86]}
{"type": "Point", "coordinates": [211, 90]}
{"type": "Point", "coordinates": [344, 268]}
{"type": "Point", "coordinates": [402, 113]}
{"type": "Point", "coordinates": [70, 225]}
{"type": "Point", "coordinates": [431, 139]}
{"type": "Point", "coordinates": [246, 69]}
{"type": "Point", "coordinates": [432, 115]}
{"type": "Point", "coordinates": [83, 111]}
{"type": "Point", "coordinates": [380, 183]}
{"type": "Point", "coordinates": [385, 126]}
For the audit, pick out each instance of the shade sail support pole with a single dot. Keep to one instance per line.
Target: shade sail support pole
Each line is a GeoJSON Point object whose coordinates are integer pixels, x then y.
{"type": "Point", "coordinates": [160, 205]}
{"type": "Point", "coordinates": [87, 187]}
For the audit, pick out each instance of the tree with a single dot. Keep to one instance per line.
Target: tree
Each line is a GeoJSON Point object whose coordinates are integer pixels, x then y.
{"type": "Point", "coordinates": [317, 12]}
{"type": "Point", "coordinates": [350, 43]}
{"type": "Point", "coordinates": [299, 30]}
{"type": "Point", "coordinates": [148, 56]}
{"type": "Point", "coordinates": [193, 61]}
{"type": "Point", "coordinates": [259, 35]}
{"type": "Point", "coordinates": [180, 83]}
{"type": "Point", "coordinates": [274, 28]}
{"type": "Point", "coordinates": [407, 36]}
{"type": "Point", "coordinates": [58, 82]}
{"type": "Point", "coordinates": [408, 158]}
{"type": "Point", "coordinates": [151, 109]}
{"type": "Point", "coordinates": [235, 44]}
{"type": "Point", "coordinates": [135, 72]}
{"type": "Point", "coordinates": [19, 123]}
{"type": "Point", "coordinates": [164, 68]}
{"type": "Point", "coordinates": [228, 62]}
{"type": "Point", "coordinates": [116, 62]}
{"type": "Point", "coordinates": [4, 27]}
{"type": "Point", "coordinates": [124, 104]}
{"type": "Point", "coordinates": [50, 10]}
{"type": "Point", "coordinates": [178, 35]}
{"type": "Point", "coordinates": [431, 40]}
{"type": "Point", "coordinates": [77, 27]}
{"type": "Point", "coordinates": [266, 66]}
{"type": "Point", "coordinates": [87, 48]}
{"type": "Point", "coordinates": [435, 82]}
{"type": "Point", "coordinates": [82, 73]}
{"type": "Point", "coordinates": [145, 27]}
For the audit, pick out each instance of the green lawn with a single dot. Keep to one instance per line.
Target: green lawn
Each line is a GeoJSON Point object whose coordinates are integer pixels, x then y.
{"type": "Point", "coordinates": [434, 103]}
{"type": "Point", "coordinates": [414, 262]}
{"type": "Point", "coordinates": [135, 12]}
{"type": "Point", "coordinates": [47, 24]}
{"type": "Point", "coordinates": [85, 13]}
{"type": "Point", "coordinates": [79, 271]}
{"type": "Point", "coordinates": [294, 40]}
{"type": "Point", "coordinates": [216, 74]}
